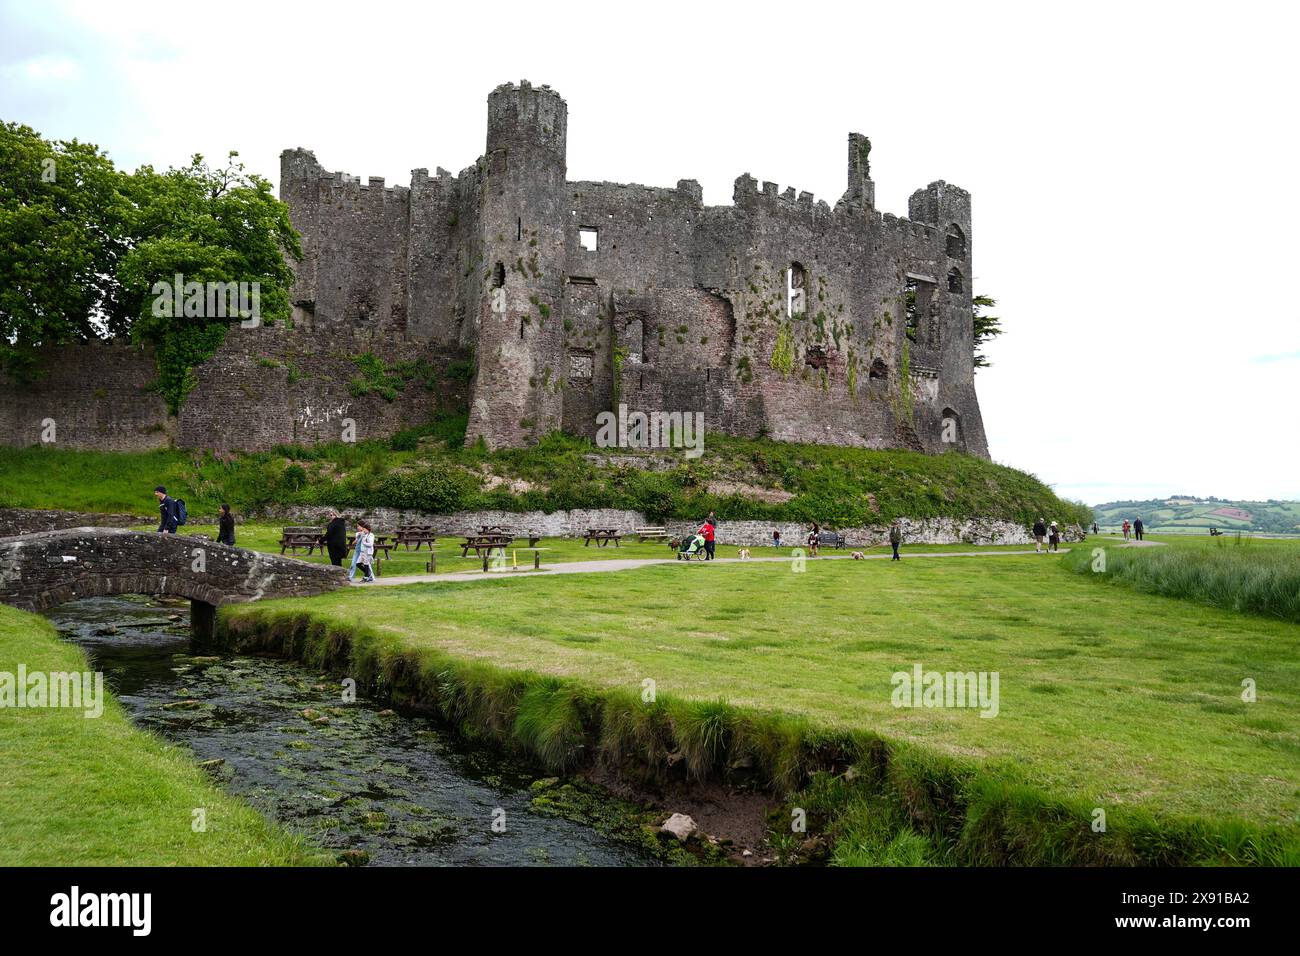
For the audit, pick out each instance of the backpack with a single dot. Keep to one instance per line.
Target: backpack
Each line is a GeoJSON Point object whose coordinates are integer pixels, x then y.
{"type": "Point", "coordinates": [179, 510]}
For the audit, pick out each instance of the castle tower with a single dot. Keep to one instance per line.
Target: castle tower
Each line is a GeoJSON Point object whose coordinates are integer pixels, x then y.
{"type": "Point", "coordinates": [948, 209]}
{"type": "Point", "coordinates": [517, 392]}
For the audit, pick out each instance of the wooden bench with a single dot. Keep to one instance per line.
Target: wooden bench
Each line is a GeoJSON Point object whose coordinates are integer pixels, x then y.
{"type": "Point", "coordinates": [651, 534]}
{"type": "Point", "coordinates": [294, 538]}
{"type": "Point", "coordinates": [602, 537]}
{"type": "Point", "coordinates": [830, 539]}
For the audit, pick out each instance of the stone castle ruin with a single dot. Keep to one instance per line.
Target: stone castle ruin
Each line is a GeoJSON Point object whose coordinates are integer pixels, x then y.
{"type": "Point", "coordinates": [538, 303]}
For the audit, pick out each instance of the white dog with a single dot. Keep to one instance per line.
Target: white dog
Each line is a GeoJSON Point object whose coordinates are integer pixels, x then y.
{"type": "Point", "coordinates": [859, 556]}
{"type": "Point", "coordinates": [743, 554]}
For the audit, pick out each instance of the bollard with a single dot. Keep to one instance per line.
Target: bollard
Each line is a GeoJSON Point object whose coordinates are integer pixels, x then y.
{"type": "Point", "coordinates": [485, 560]}
{"type": "Point", "coordinates": [537, 560]}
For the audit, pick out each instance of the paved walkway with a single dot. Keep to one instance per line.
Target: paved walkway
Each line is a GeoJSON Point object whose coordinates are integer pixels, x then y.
{"type": "Point", "coordinates": [628, 564]}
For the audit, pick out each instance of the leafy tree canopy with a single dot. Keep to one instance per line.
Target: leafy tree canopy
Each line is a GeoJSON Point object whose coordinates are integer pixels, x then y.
{"type": "Point", "coordinates": [83, 245]}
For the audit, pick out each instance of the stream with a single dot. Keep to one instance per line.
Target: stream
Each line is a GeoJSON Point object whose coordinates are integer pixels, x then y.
{"type": "Point", "coordinates": [349, 776]}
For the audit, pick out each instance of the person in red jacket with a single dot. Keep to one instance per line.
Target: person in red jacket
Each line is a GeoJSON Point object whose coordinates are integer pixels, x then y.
{"type": "Point", "coordinates": [707, 531]}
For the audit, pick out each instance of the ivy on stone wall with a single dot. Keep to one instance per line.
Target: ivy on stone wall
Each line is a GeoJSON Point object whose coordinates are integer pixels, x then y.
{"type": "Point", "coordinates": [783, 351]}
{"type": "Point", "coordinates": [903, 404]}
{"type": "Point", "coordinates": [380, 378]}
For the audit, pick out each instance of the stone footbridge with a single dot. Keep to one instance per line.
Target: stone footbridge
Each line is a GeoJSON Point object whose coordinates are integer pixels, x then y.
{"type": "Point", "coordinates": [41, 571]}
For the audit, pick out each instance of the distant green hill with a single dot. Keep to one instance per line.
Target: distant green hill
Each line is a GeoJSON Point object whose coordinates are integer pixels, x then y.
{"type": "Point", "coordinates": [1183, 512]}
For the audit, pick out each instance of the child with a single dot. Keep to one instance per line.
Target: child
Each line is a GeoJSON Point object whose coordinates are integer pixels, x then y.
{"type": "Point", "coordinates": [364, 556]}
{"type": "Point", "coordinates": [776, 537]}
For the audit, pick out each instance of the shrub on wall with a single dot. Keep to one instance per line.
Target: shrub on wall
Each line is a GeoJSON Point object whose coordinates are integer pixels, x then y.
{"type": "Point", "coordinates": [438, 489]}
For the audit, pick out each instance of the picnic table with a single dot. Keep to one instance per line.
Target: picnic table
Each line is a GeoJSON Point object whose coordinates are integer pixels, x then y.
{"type": "Point", "coordinates": [602, 537]}
{"type": "Point", "coordinates": [485, 542]}
{"type": "Point", "coordinates": [416, 534]}
{"type": "Point", "coordinates": [294, 538]}
{"type": "Point", "coordinates": [490, 529]}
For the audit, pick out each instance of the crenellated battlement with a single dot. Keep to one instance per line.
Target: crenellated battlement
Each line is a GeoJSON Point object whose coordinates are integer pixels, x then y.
{"type": "Point", "coordinates": [747, 194]}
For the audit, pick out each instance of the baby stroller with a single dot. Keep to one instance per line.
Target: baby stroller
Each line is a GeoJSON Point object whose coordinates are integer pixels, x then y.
{"type": "Point", "coordinates": [692, 547]}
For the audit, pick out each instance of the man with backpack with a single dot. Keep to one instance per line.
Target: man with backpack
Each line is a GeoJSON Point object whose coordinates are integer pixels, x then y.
{"type": "Point", "coordinates": [170, 511]}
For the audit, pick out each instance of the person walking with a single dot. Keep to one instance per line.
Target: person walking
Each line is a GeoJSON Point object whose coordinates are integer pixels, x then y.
{"type": "Point", "coordinates": [1040, 532]}
{"type": "Point", "coordinates": [166, 511]}
{"type": "Point", "coordinates": [1126, 527]}
{"type": "Point", "coordinates": [813, 537]}
{"type": "Point", "coordinates": [895, 538]}
{"type": "Point", "coordinates": [364, 555]}
{"type": "Point", "coordinates": [708, 532]}
{"type": "Point", "coordinates": [1138, 528]}
{"type": "Point", "coordinates": [776, 537]}
{"type": "Point", "coordinates": [1094, 527]}
{"type": "Point", "coordinates": [1054, 538]}
{"type": "Point", "coordinates": [226, 527]}
{"type": "Point", "coordinates": [335, 539]}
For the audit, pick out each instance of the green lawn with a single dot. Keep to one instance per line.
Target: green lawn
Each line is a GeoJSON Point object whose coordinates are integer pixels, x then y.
{"type": "Point", "coordinates": [1114, 697]}
{"type": "Point", "coordinates": [79, 791]}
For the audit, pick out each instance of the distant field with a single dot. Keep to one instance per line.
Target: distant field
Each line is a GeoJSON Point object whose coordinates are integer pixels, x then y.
{"type": "Point", "coordinates": [1281, 517]}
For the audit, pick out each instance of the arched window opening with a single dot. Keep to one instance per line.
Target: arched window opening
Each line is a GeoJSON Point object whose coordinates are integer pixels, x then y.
{"type": "Point", "coordinates": [956, 242]}
{"type": "Point", "coordinates": [955, 282]}
{"type": "Point", "coordinates": [950, 428]}
{"type": "Point", "coordinates": [498, 275]}
{"type": "Point", "coordinates": [879, 371]}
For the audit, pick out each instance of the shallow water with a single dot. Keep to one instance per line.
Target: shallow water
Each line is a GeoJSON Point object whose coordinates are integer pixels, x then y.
{"type": "Point", "coordinates": [349, 777]}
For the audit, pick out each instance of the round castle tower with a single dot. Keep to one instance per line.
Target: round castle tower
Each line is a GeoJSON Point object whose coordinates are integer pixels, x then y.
{"type": "Point", "coordinates": [517, 394]}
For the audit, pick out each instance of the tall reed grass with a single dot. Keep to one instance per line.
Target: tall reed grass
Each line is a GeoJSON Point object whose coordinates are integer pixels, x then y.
{"type": "Point", "coordinates": [1233, 574]}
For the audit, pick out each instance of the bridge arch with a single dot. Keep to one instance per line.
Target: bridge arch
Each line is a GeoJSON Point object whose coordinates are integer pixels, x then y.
{"type": "Point", "coordinates": [44, 570]}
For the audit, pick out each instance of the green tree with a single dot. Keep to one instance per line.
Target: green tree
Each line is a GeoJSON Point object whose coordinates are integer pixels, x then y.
{"type": "Point", "coordinates": [987, 327]}
{"type": "Point", "coordinates": [206, 224]}
{"type": "Point", "coordinates": [63, 231]}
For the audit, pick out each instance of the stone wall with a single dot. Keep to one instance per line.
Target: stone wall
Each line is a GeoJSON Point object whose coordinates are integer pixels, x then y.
{"type": "Point", "coordinates": [96, 395]}
{"type": "Point", "coordinates": [561, 524]}
{"type": "Point", "coordinates": [15, 521]}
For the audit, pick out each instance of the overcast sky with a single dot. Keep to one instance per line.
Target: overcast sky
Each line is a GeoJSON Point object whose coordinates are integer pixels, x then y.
{"type": "Point", "coordinates": [1132, 165]}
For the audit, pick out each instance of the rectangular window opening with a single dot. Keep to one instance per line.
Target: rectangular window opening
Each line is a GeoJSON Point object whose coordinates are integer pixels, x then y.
{"type": "Point", "coordinates": [587, 238]}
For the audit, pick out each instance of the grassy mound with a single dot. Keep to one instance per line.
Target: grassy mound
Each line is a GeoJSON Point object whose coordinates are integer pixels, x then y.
{"type": "Point", "coordinates": [430, 470]}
